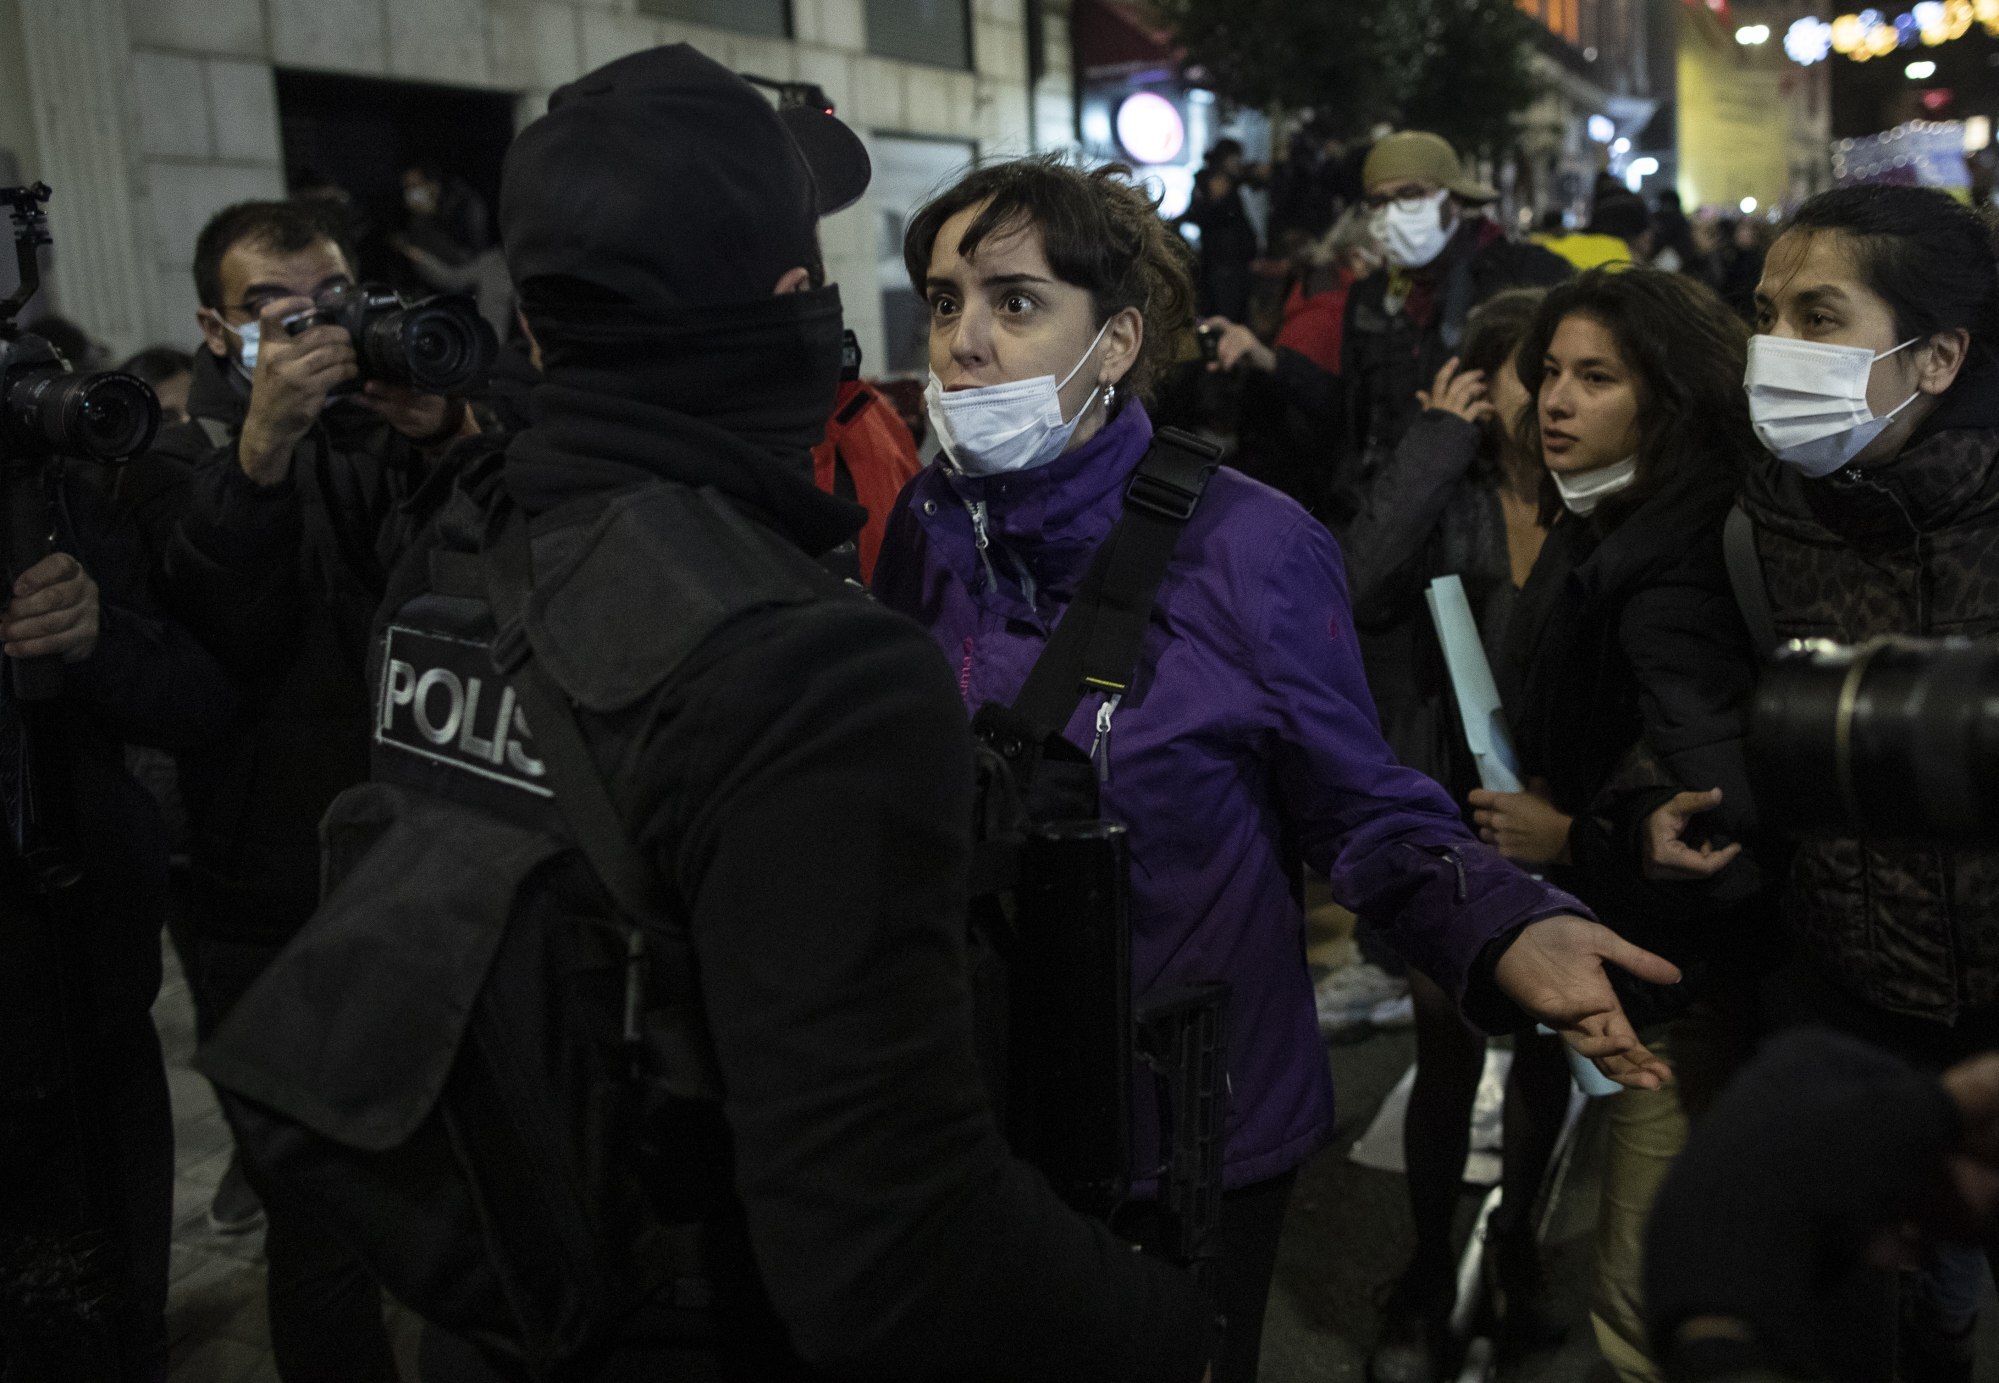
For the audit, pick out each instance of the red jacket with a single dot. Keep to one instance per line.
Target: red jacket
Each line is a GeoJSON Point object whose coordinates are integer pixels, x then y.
{"type": "Point", "coordinates": [867, 440]}
{"type": "Point", "coordinates": [1313, 322]}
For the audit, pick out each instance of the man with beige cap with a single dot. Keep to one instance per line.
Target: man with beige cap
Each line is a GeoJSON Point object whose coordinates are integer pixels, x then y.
{"type": "Point", "coordinates": [1445, 257]}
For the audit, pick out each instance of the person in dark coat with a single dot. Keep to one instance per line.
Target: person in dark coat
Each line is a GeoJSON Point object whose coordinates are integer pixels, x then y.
{"type": "Point", "coordinates": [1459, 497]}
{"type": "Point", "coordinates": [1877, 513]}
{"type": "Point", "coordinates": [86, 1132]}
{"type": "Point", "coordinates": [1408, 318]}
{"type": "Point", "coordinates": [264, 513]}
{"type": "Point", "coordinates": [794, 770]}
{"type": "Point", "coordinates": [1289, 398]}
{"type": "Point", "coordinates": [1627, 671]}
{"type": "Point", "coordinates": [1228, 236]}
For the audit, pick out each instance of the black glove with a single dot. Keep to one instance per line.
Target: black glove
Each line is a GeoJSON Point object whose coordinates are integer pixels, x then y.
{"type": "Point", "coordinates": [1821, 1142]}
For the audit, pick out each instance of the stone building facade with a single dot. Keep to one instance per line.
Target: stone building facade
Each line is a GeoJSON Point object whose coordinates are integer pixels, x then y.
{"type": "Point", "coordinates": [146, 116]}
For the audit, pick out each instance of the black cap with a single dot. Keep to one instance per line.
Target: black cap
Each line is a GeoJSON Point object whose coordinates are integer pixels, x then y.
{"type": "Point", "coordinates": [667, 180]}
{"type": "Point", "coordinates": [838, 160]}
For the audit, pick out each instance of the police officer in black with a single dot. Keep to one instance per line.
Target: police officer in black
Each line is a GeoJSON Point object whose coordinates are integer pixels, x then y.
{"type": "Point", "coordinates": [789, 761]}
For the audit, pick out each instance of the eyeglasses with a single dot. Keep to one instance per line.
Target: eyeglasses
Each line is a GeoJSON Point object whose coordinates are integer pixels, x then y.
{"type": "Point", "coordinates": [333, 295]}
{"type": "Point", "coordinates": [1406, 198]}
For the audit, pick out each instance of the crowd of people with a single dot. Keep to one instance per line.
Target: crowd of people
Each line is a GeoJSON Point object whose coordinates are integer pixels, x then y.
{"type": "Point", "coordinates": [600, 794]}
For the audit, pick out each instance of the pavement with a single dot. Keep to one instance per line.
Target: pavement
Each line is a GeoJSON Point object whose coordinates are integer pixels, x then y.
{"type": "Point", "coordinates": [1349, 1232]}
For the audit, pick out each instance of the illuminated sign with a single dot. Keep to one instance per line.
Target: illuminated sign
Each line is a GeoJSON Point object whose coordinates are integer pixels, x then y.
{"type": "Point", "coordinates": [1150, 128]}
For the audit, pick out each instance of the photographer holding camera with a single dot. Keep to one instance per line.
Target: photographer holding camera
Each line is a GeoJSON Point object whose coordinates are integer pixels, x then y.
{"type": "Point", "coordinates": [86, 1137]}
{"type": "Point", "coordinates": [266, 512]}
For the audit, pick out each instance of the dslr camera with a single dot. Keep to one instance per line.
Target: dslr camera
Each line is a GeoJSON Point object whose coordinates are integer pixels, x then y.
{"type": "Point", "coordinates": [1896, 739]}
{"type": "Point", "coordinates": [48, 412]}
{"type": "Point", "coordinates": [439, 345]}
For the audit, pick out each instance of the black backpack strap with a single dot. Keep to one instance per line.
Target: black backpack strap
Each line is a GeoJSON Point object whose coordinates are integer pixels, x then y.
{"type": "Point", "coordinates": [1096, 644]}
{"type": "Point", "coordinates": [599, 831]}
{"type": "Point", "coordinates": [1745, 575]}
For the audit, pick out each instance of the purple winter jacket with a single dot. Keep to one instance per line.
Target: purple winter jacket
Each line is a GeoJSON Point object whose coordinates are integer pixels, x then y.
{"type": "Point", "coordinates": [1254, 745]}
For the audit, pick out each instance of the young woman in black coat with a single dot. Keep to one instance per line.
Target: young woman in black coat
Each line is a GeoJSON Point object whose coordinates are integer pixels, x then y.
{"type": "Point", "coordinates": [1458, 497]}
{"type": "Point", "coordinates": [1627, 672]}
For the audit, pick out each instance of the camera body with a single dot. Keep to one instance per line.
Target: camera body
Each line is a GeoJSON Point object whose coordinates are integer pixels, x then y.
{"type": "Point", "coordinates": [1210, 341]}
{"type": "Point", "coordinates": [45, 409]}
{"type": "Point", "coordinates": [440, 345]}
{"type": "Point", "coordinates": [48, 412]}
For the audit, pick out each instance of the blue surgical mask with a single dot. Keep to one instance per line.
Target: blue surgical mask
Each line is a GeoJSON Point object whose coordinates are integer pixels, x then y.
{"type": "Point", "coordinates": [249, 334]}
{"type": "Point", "coordinates": [1017, 426]}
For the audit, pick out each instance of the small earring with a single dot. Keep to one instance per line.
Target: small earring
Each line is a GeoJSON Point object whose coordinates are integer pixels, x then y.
{"type": "Point", "coordinates": [1110, 395]}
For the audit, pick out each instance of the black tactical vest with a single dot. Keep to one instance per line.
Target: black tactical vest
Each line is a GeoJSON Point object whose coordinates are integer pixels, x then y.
{"type": "Point", "coordinates": [487, 1076]}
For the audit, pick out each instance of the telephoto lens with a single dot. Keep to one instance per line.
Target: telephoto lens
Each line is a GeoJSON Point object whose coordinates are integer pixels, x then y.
{"type": "Point", "coordinates": [439, 346]}
{"type": "Point", "coordinates": [1897, 739]}
{"type": "Point", "coordinates": [105, 416]}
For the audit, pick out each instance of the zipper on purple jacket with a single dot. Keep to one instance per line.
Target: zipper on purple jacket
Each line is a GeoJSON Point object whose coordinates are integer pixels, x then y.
{"type": "Point", "coordinates": [977, 509]}
{"type": "Point", "coordinates": [1100, 747]}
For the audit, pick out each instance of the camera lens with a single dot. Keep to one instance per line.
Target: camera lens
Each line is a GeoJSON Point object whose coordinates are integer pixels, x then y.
{"type": "Point", "coordinates": [116, 416]}
{"type": "Point", "coordinates": [103, 417]}
{"type": "Point", "coordinates": [1898, 739]}
{"type": "Point", "coordinates": [442, 346]}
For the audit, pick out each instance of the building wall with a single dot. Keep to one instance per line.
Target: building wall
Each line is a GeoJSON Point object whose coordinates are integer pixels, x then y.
{"type": "Point", "coordinates": [149, 115]}
{"type": "Point", "coordinates": [1735, 117]}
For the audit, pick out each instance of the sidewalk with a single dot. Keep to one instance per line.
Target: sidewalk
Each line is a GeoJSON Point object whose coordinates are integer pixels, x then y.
{"type": "Point", "coordinates": [215, 1304]}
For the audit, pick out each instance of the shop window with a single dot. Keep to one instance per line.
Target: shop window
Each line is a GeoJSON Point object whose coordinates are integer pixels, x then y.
{"type": "Point", "coordinates": [938, 32]}
{"type": "Point", "coordinates": [770, 17]}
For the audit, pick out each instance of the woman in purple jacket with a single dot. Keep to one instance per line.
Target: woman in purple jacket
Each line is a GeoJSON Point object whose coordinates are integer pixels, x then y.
{"type": "Point", "coordinates": [1054, 296]}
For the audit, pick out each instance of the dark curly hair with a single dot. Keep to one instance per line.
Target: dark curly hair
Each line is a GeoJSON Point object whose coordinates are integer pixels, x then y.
{"type": "Point", "coordinates": [1100, 230]}
{"type": "Point", "coordinates": [1688, 352]}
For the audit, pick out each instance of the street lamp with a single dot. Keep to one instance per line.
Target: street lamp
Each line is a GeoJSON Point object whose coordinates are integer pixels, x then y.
{"type": "Point", "coordinates": [1640, 169]}
{"type": "Point", "coordinates": [1920, 71]}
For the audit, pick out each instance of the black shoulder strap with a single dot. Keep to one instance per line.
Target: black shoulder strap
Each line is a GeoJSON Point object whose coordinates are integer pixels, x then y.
{"type": "Point", "coordinates": [1745, 575]}
{"type": "Point", "coordinates": [585, 803]}
{"type": "Point", "coordinates": [1096, 645]}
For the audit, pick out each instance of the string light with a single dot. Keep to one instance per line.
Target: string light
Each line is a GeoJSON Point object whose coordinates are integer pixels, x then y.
{"type": "Point", "coordinates": [1871, 34]}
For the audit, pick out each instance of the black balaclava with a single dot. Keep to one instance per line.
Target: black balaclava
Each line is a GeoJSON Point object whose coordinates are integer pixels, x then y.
{"type": "Point", "coordinates": [647, 219]}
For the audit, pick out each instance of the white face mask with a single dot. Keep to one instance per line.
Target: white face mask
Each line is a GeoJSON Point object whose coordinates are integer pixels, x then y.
{"type": "Point", "coordinates": [1412, 229]}
{"type": "Point", "coordinates": [1808, 400]}
{"type": "Point", "coordinates": [1004, 427]}
{"type": "Point", "coordinates": [250, 334]}
{"type": "Point", "coordinates": [1582, 493]}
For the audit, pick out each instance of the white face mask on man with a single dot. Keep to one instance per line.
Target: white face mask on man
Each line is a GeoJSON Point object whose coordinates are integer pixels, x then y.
{"type": "Point", "coordinates": [1412, 229]}
{"type": "Point", "coordinates": [1808, 400]}
{"type": "Point", "coordinates": [250, 334]}
{"type": "Point", "coordinates": [1016, 426]}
